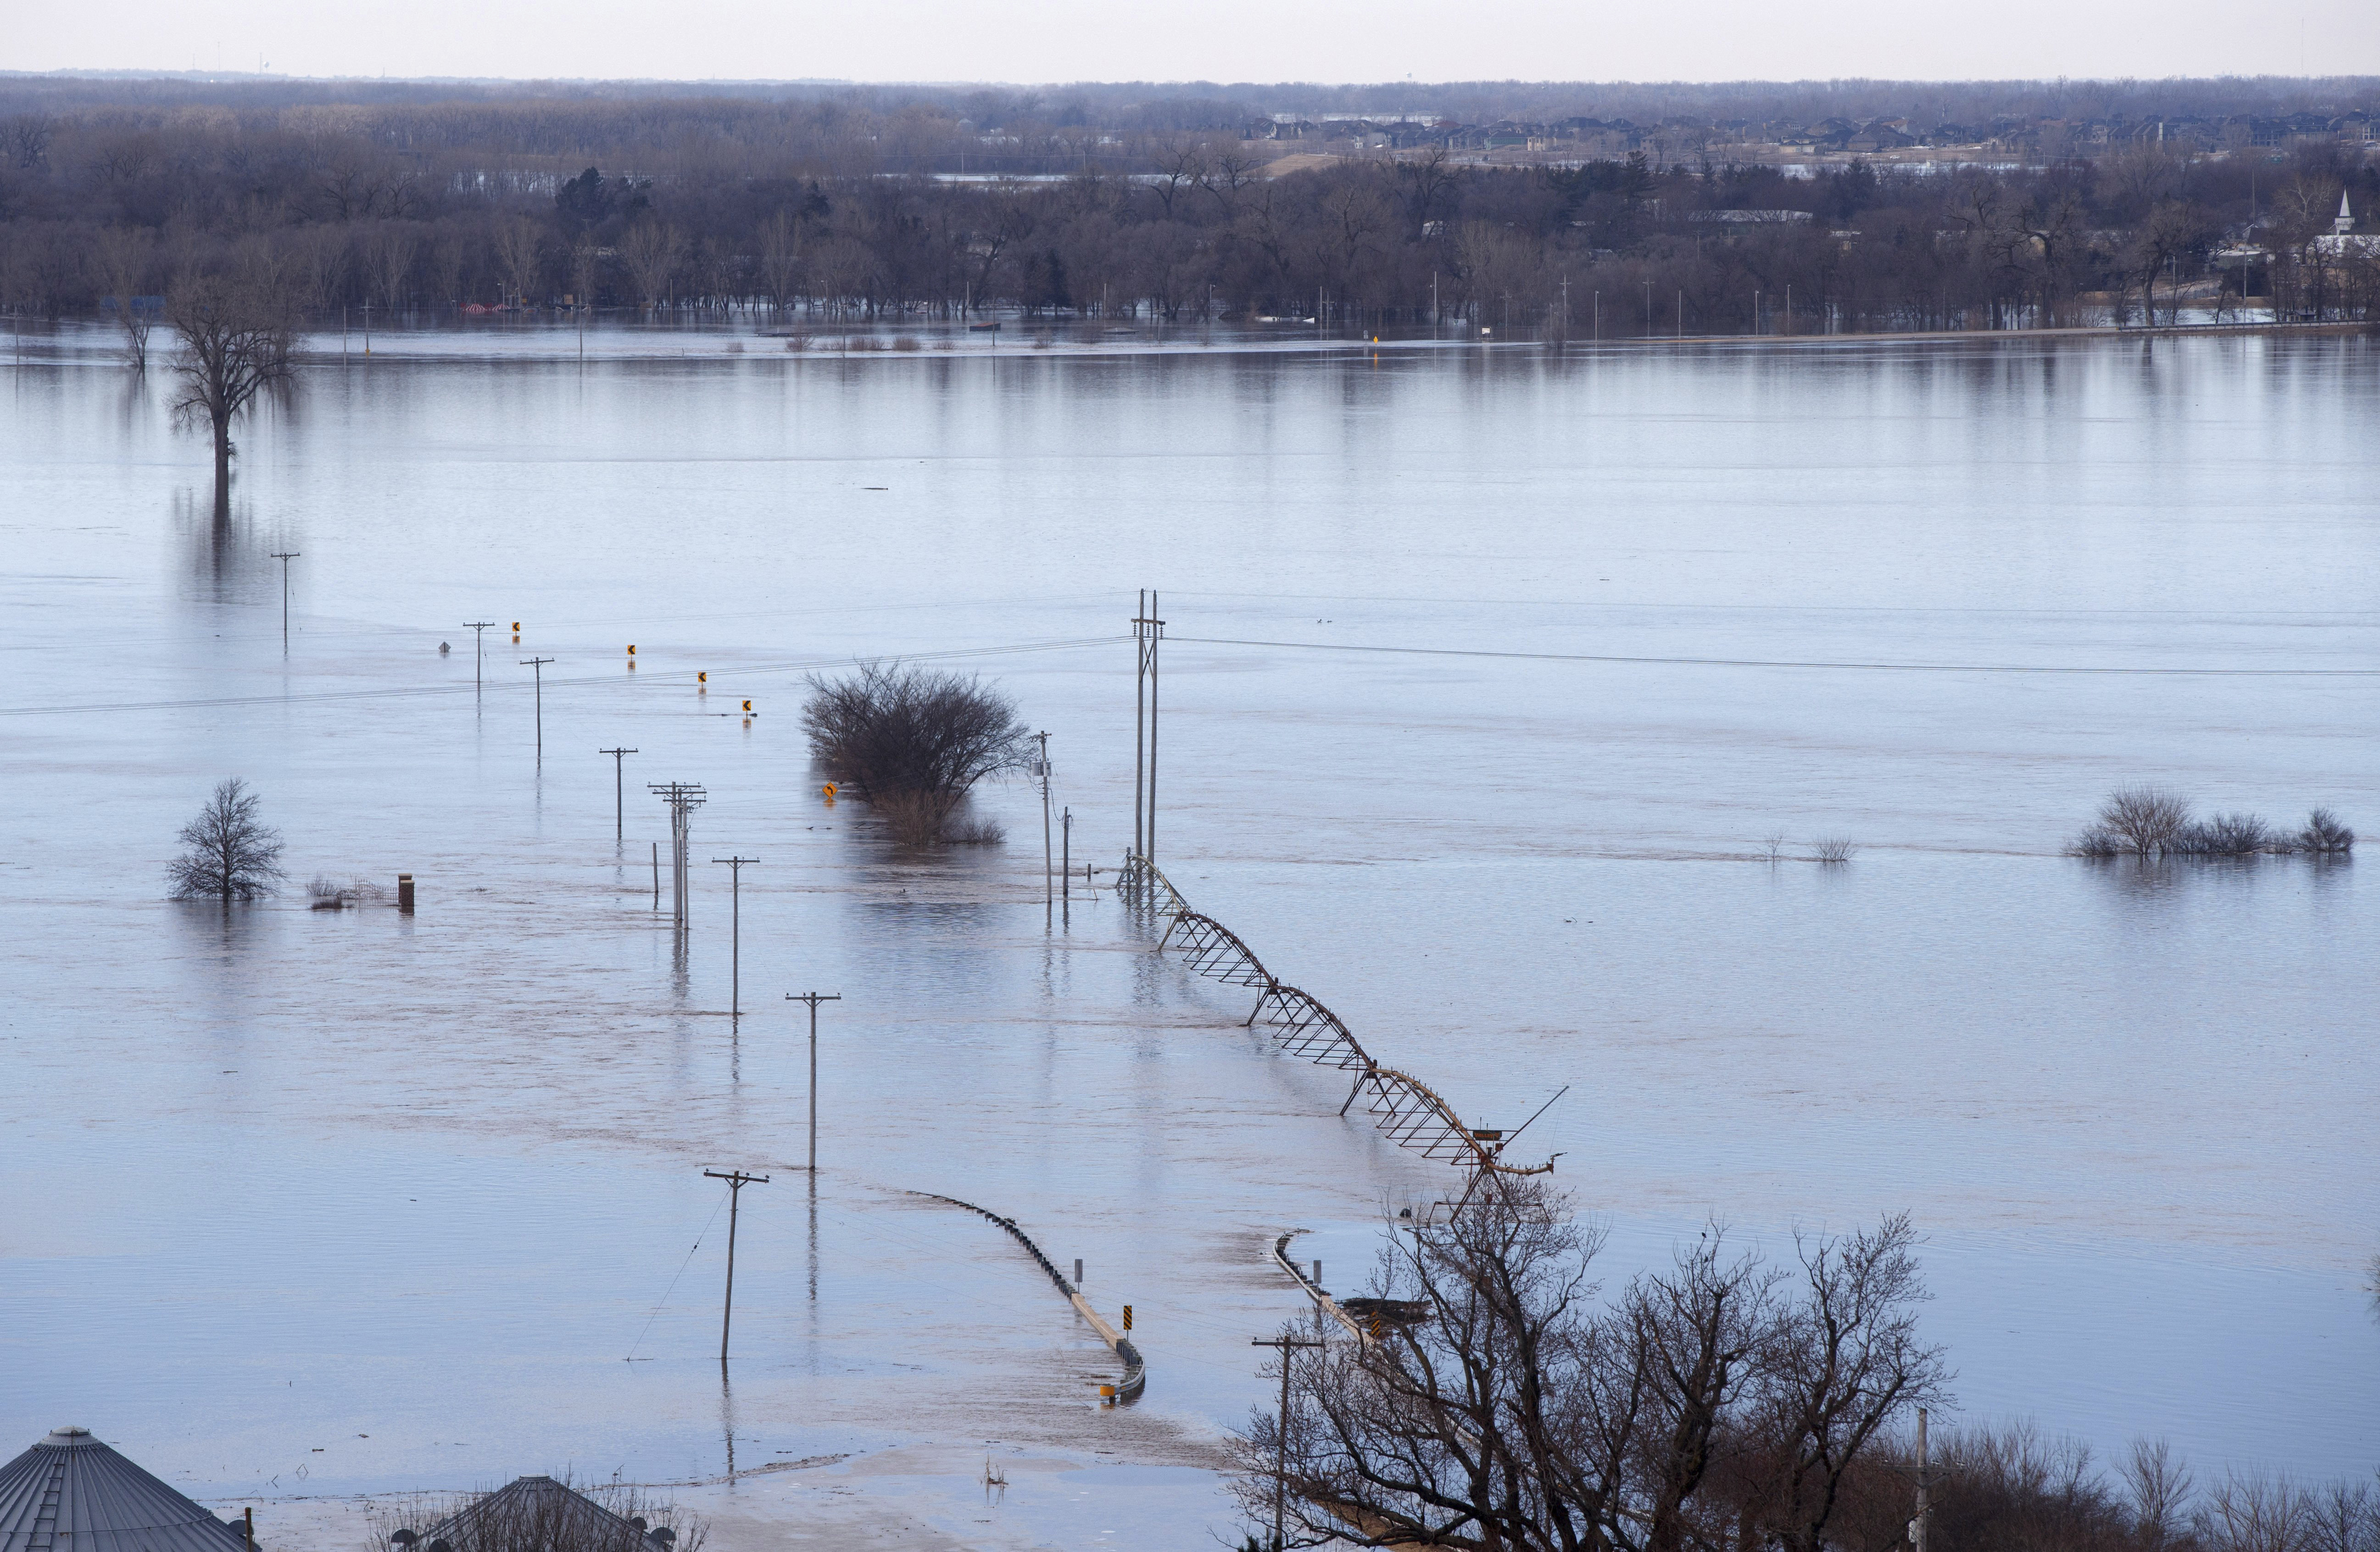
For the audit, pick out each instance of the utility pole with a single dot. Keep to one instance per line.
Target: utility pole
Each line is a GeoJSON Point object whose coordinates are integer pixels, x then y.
{"type": "Point", "coordinates": [1920, 1525]}
{"type": "Point", "coordinates": [619, 794]}
{"type": "Point", "coordinates": [1146, 631]}
{"type": "Point", "coordinates": [284, 557]}
{"type": "Point", "coordinates": [735, 936]}
{"type": "Point", "coordinates": [813, 999]}
{"type": "Point", "coordinates": [684, 798]}
{"type": "Point", "coordinates": [1048, 890]}
{"type": "Point", "coordinates": [1281, 1429]}
{"type": "Point", "coordinates": [478, 650]}
{"type": "Point", "coordinates": [539, 665]}
{"type": "Point", "coordinates": [736, 1181]}
{"type": "Point", "coordinates": [1066, 857]}
{"type": "Point", "coordinates": [1139, 732]}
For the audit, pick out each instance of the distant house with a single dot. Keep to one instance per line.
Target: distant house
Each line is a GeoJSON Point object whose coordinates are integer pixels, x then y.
{"type": "Point", "coordinates": [74, 1494]}
{"type": "Point", "coordinates": [1751, 217]}
{"type": "Point", "coordinates": [2342, 241]}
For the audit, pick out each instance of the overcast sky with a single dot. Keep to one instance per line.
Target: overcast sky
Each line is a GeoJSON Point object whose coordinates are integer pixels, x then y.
{"type": "Point", "coordinates": [1217, 40]}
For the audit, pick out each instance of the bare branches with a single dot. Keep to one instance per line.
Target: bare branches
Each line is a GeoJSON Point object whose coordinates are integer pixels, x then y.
{"type": "Point", "coordinates": [228, 854]}
{"type": "Point", "coordinates": [236, 333]}
{"type": "Point", "coordinates": [1513, 1409]}
{"type": "Point", "coordinates": [913, 741]}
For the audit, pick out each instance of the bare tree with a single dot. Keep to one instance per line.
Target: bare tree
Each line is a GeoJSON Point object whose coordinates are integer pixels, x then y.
{"type": "Point", "coordinates": [2160, 1488]}
{"type": "Point", "coordinates": [2256, 1511]}
{"type": "Point", "coordinates": [516, 251]}
{"type": "Point", "coordinates": [126, 256]}
{"type": "Point", "coordinates": [2143, 818]}
{"type": "Point", "coordinates": [913, 741]}
{"type": "Point", "coordinates": [228, 853]}
{"type": "Point", "coordinates": [234, 336]}
{"type": "Point", "coordinates": [652, 253]}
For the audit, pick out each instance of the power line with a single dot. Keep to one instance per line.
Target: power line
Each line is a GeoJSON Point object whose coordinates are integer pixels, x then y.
{"type": "Point", "coordinates": [1784, 662]}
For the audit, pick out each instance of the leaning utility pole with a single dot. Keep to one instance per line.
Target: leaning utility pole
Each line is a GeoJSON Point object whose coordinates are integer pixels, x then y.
{"type": "Point", "coordinates": [736, 1181]}
{"type": "Point", "coordinates": [1281, 1429]}
{"type": "Point", "coordinates": [619, 797]}
{"type": "Point", "coordinates": [478, 650]}
{"type": "Point", "coordinates": [735, 937]}
{"type": "Point", "coordinates": [539, 665]}
{"type": "Point", "coordinates": [284, 557]}
{"type": "Point", "coordinates": [684, 798]}
{"type": "Point", "coordinates": [813, 999]}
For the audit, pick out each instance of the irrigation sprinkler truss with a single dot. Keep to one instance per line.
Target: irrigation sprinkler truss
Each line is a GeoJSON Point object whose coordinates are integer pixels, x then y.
{"type": "Point", "coordinates": [1411, 1113]}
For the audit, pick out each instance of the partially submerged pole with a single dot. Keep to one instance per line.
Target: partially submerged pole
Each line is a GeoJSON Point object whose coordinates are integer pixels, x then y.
{"type": "Point", "coordinates": [736, 1181]}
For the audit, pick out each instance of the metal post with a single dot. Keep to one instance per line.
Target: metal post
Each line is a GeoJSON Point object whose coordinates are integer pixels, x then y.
{"type": "Point", "coordinates": [736, 1181]}
{"type": "Point", "coordinates": [1139, 734]}
{"type": "Point", "coordinates": [813, 999]}
{"type": "Point", "coordinates": [284, 557]}
{"type": "Point", "coordinates": [1281, 1429]}
{"type": "Point", "coordinates": [1066, 857]}
{"type": "Point", "coordinates": [1156, 632]}
{"type": "Point", "coordinates": [735, 936]}
{"type": "Point", "coordinates": [539, 665]}
{"type": "Point", "coordinates": [619, 798]}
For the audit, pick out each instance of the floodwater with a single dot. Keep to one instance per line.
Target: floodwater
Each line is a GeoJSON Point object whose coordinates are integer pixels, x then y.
{"type": "Point", "coordinates": [1489, 676]}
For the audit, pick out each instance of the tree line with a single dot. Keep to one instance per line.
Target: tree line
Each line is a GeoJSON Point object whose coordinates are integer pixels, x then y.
{"type": "Point", "coordinates": [417, 213]}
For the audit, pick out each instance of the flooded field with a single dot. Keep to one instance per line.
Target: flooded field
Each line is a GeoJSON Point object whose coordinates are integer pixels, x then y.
{"type": "Point", "coordinates": [1506, 696]}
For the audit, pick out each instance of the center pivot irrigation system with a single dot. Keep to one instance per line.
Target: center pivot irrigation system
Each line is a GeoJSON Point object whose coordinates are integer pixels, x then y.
{"type": "Point", "coordinates": [1409, 1110]}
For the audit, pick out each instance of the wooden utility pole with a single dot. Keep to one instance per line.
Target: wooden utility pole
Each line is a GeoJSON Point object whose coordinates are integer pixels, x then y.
{"type": "Point", "coordinates": [539, 665]}
{"type": "Point", "coordinates": [1048, 887]}
{"type": "Point", "coordinates": [479, 650]}
{"type": "Point", "coordinates": [1281, 1429]}
{"type": "Point", "coordinates": [736, 1181]}
{"type": "Point", "coordinates": [284, 557]}
{"type": "Point", "coordinates": [1918, 1526]}
{"type": "Point", "coordinates": [619, 794]}
{"type": "Point", "coordinates": [735, 936]}
{"type": "Point", "coordinates": [813, 999]}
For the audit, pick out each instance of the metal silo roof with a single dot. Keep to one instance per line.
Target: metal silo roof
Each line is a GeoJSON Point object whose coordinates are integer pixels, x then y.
{"type": "Point", "coordinates": [71, 1493]}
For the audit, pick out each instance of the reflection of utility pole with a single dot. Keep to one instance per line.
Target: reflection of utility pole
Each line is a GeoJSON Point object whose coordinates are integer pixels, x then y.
{"type": "Point", "coordinates": [1281, 1430]}
{"type": "Point", "coordinates": [539, 665]}
{"type": "Point", "coordinates": [735, 937]}
{"type": "Point", "coordinates": [736, 1181]}
{"type": "Point", "coordinates": [813, 999]}
{"type": "Point", "coordinates": [284, 557]}
{"type": "Point", "coordinates": [619, 797]}
{"type": "Point", "coordinates": [478, 650]}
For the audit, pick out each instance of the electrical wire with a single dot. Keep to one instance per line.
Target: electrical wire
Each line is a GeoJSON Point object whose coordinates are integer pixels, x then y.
{"type": "Point", "coordinates": [1779, 662]}
{"type": "Point", "coordinates": [672, 1282]}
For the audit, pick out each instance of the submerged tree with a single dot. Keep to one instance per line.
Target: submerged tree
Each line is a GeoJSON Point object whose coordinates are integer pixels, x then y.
{"type": "Point", "coordinates": [228, 853]}
{"type": "Point", "coordinates": [914, 741]}
{"type": "Point", "coordinates": [236, 335]}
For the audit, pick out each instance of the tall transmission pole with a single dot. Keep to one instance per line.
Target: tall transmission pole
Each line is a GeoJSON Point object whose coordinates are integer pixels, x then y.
{"type": "Point", "coordinates": [1146, 631]}
{"type": "Point", "coordinates": [813, 999]}
{"type": "Point", "coordinates": [539, 665]}
{"type": "Point", "coordinates": [736, 1181]}
{"type": "Point", "coordinates": [1139, 719]}
{"type": "Point", "coordinates": [479, 650]}
{"type": "Point", "coordinates": [735, 936]}
{"type": "Point", "coordinates": [619, 793]}
{"type": "Point", "coordinates": [284, 557]}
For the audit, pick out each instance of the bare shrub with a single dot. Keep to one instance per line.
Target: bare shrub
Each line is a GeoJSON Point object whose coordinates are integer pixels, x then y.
{"type": "Point", "coordinates": [797, 342]}
{"type": "Point", "coordinates": [975, 832]}
{"type": "Point", "coordinates": [2325, 832]}
{"type": "Point", "coordinates": [332, 894]}
{"type": "Point", "coordinates": [2094, 842]}
{"type": "Point", "coordinates": [906, 342]}
{"type": "Point", "coordinates": [1833, 849]}
{"type": "Point", "coordinates": [1772, 846]}
{"type": "Point", "coordinates": [2223, 835]}
{"type": "Point", "coordinates": [228, 853]}
{"type": "Point", "coordinates": [912, 742]}
{"type": "Point", "coordinates": [2143, 820]}
{"type": "Point", "coordinates": [863, 342]}
{"type": "Point", "coordinates": [2343, 1517]}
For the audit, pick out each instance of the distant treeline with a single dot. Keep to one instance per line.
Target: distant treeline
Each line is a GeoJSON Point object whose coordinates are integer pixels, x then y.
{"type": "Point", "coordinates": [809, 205]}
